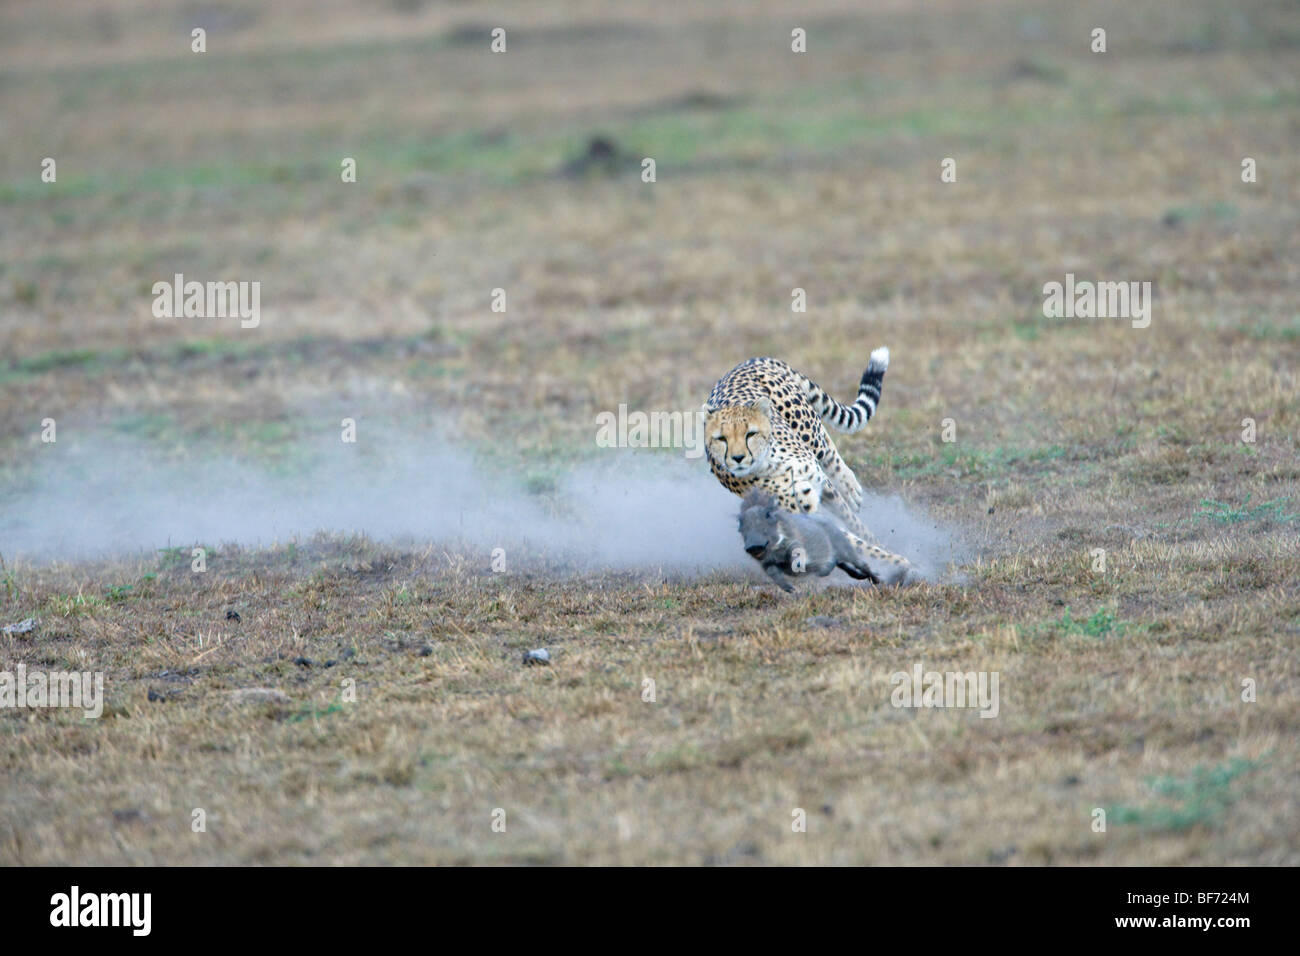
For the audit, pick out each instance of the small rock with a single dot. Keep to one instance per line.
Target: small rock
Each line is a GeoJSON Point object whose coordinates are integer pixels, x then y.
{"type": "Point", "coordinates": [155, 696]}
{"type": "Point", "coordinates": [539, 656]}
{"type": "Point", "coordinates": [22, 627]}
{"type": "Point", "coordinates": [426, 650]}
{"type": "Point", "coordinates": [302, 661]}
{"type": "Point", "coordinates": [130, 816]}
{"type": "Point", "coordinates": [349, 653]}
{"type": "Point", "coordinates": [329, 663]}
{"type": "Point", "coordinates": [602, 156]}
{"type": "Point", "coordinates": [233, 616]}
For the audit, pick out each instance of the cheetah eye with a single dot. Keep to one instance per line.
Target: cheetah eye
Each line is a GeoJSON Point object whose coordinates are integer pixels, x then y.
{"type": "Point", "coordinates": [751, 433]}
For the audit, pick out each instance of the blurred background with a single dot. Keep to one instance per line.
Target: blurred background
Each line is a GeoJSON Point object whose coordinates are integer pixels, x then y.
{"type": "Point", "coordinates": [521, 171]}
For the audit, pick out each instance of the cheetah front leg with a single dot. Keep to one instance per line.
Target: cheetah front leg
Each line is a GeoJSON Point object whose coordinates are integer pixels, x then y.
{"type": "Point", "coordinates": [840, 508]}
{"type": "Point", "coordinates": [845, 481]}
{"type": "Point", "coordinates": [838, 473]}
{"type": "Point", "coordinates": [800, 487]}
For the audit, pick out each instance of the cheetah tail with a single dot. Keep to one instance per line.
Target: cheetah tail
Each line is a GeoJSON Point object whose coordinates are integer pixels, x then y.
{"type": "Point", "coordinates": [851, 418]}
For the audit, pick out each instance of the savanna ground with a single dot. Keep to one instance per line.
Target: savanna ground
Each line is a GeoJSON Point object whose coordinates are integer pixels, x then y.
{"type": "Point", "coordinates": [1120, 689]}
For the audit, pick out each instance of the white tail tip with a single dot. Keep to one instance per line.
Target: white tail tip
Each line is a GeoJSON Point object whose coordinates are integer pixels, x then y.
{"type": "Point", "coordinates": [880, 358]}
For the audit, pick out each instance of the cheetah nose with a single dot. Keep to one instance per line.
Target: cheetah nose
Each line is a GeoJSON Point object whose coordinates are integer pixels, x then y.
{"type": "Point", "coordinates": [737, 458]}
{"type": "Point", "coordinates": [756, 551]}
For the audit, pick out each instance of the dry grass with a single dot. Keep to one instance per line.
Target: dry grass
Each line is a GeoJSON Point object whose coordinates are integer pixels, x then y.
{"type": "Point", "coordinates": [775, 171]}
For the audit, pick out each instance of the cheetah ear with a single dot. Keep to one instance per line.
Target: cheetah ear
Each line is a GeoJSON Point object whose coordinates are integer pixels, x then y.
{"type": "Point", "coordinates": [764, 405]}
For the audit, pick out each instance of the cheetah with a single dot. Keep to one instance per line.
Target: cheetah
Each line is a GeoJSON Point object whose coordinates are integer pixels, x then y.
{"type": "Point", "coordinates": [764, 429]}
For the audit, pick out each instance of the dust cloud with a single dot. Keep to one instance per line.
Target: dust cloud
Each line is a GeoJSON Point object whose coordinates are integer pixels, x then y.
{"type": "Point", "coordinates": [628, 509]}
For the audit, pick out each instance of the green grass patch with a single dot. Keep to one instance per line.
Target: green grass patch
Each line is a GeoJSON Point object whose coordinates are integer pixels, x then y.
{"type": "Point", "coordinates": [737, 135]}
{"type": "Point", "coordinates": [59, 359]}
{"type": "Point", "coordinates": [959, 460]}
{"type": "Point", "coordinates": [1224, 513]}
{"type": "Point", "coordinates": [74, 605]}
{"type": "Point", "coordinates": [118, 593]}
{"type": "Point", "coordinates": [1099, 625]}
{"type": "Point", "coordinates": [1281, 330]}
{"type": "Point", "coordinates": [1197, 800]}
{"type": "Point", "coordinates": [1213, 212]}
{"type": "Point", "coordinates": [312, 711]}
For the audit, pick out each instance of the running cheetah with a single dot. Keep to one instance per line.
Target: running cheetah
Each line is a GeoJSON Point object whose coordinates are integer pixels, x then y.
{"type": "Point", "coordinates": [764, 429]}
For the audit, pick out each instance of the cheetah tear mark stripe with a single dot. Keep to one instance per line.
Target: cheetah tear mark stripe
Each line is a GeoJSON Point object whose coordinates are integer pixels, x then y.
{"type": "Point", "coordinates": [850, 418]}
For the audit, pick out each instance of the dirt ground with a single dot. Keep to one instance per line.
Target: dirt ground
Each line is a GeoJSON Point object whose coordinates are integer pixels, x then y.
{"type": "Point", "coordinates": [1133, 564]}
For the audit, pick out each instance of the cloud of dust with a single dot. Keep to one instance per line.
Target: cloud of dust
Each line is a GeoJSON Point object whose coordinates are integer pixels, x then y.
{"type": "Point", "coordinates": [932, 548]}
{"type": "Point", "coordinates": [100, 498]}
{"type": "Point", "coordinates": [627, 510]}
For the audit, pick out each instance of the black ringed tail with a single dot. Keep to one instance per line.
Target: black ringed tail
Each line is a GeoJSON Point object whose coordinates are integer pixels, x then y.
{"type": "Point", "coordinates": [850, 418]}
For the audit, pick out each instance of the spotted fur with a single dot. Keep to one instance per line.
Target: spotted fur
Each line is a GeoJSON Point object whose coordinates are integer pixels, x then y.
{"type": "Point", "coordinates": [766, 429]}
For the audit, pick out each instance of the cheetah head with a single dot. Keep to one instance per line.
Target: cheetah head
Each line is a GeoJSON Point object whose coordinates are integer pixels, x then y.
{"type": "Point", "coordinates": [740, 437]}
